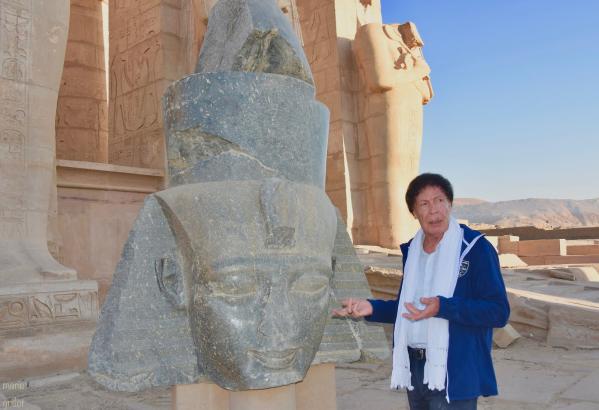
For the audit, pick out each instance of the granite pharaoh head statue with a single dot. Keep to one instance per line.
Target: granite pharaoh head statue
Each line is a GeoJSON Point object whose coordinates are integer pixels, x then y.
{"type": "Point", "coordinates": [254, 276]}
{"type": "Point", "coordinates": [240, 244]}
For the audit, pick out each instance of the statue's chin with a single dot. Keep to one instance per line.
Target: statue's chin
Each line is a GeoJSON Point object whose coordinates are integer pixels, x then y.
{"type": "Point", "coordinates": [266, 380]}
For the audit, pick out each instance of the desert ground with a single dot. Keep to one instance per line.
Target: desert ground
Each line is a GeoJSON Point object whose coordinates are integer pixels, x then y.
{"type": "Point", "coordinates": [531, 375]}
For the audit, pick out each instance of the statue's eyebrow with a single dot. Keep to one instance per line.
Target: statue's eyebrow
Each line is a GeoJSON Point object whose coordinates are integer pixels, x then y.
{"type": "Point", "coordinates": [241, 265]}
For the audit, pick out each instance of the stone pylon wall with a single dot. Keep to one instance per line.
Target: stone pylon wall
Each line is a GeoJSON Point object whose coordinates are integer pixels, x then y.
{"type": "Point", "coordinates": [82, 112]}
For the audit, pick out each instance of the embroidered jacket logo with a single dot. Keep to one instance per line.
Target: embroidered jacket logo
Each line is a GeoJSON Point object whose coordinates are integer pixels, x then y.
{"type": "Point", "coordinates": [464, 268]}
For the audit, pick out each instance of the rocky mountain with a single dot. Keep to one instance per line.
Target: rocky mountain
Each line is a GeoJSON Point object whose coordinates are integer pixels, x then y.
{"type": "Point", "coordinates": [542, 213]}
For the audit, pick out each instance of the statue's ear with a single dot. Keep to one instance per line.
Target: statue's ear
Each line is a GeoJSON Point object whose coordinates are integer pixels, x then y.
{"type": "Point", "coordinates": [170, 280]}
{"type": "Point", "coordinates": [173, 269]}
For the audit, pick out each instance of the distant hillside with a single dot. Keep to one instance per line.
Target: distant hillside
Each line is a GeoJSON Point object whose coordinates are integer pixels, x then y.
{"type": "Point", "coordinates": [468, 201]}
{"type": "Point", "coordinates": [542, 213]}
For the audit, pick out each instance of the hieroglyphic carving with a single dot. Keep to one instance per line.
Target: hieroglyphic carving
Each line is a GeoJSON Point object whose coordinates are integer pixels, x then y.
{"type": "Point", "coordinates": [44, 308]}
{"type": "Point", "coordinates": [13, 312]}
{"type": "Point", "coordinates": [135, 72]}
{"type": "Point", "coordinates": [15, 32]}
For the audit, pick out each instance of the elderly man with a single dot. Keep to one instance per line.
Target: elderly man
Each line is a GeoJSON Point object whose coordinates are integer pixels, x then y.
{"type": "Point", "coordinates": [452, 296]}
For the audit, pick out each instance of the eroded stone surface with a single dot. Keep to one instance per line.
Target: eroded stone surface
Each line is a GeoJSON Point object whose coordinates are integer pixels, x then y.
{"type": "Point", "coordinates": [141, 340]}
{"type": "Point", "coordinates": [214, 112]}
{"type": "Point", "coordinates": [254, 36]}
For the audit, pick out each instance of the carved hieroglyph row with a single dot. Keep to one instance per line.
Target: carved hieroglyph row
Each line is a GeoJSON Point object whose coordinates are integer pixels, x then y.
{"type": "Point", "coordinates": [47, 308]}
{"type": "Point", "coordinates": [15, 35]}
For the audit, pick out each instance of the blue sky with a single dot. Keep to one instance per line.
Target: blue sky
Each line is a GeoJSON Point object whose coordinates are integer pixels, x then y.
{"type": "Point", "coordinates": [516, 110]}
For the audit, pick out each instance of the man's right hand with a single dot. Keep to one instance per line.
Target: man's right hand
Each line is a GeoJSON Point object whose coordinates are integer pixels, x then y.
{"type": "Point", "coordinates": [355, 308]}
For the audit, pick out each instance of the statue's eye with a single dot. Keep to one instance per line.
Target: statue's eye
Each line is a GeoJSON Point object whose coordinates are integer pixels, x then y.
{"type": "Point", "coordinates": [232, 288]}
{"type": "Point", "coordinates": [310, 284]}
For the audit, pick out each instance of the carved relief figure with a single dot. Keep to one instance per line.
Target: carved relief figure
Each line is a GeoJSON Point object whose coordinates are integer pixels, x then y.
{"type": "Point", "coordinates": [397, 84]}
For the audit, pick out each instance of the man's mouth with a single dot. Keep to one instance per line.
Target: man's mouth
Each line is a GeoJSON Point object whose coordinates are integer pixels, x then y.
{"type": "Point", "coordinates": [275, 359]}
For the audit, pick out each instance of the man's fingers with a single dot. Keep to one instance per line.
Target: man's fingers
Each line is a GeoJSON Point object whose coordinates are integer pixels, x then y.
{"type": "Point", "coordinates": [346, 302]}
{"type": "Point", "coordinates": [415, 313]}
{"type": "Point", "coordinates": [347, 309]}
{"type": "Point", "coordinates": [427, 301]}
{"type": "Point", "coordinates": [413, 310]}
{"type": "Point", "coordinates": [360, 310]}
{"type": "Point", "coordinates": [340, 312]}
{"type": "Point", "coordinates": [356, 308]}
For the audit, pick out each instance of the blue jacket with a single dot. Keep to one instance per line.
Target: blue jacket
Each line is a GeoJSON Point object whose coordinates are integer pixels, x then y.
{"type": "Point", "coordinates": [479, 304]}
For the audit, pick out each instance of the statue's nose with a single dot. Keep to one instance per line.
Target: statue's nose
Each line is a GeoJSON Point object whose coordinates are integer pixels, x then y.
{"type": "Point", "coordinates": [277, 320]}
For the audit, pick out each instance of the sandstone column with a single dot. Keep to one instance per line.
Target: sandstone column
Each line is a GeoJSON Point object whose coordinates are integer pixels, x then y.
{"type": "Point", "coordinates": [32, 48]}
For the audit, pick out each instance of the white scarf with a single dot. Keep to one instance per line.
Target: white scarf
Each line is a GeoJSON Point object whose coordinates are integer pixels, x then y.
{"type": "Point", "coordinates": [445, 276]}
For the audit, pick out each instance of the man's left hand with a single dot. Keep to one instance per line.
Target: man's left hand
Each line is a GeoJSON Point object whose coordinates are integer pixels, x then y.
{"type": "Point", "coordinates": [431, 308]}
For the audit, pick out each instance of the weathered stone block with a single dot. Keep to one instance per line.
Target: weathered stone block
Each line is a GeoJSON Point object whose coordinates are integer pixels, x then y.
{"type": "Point", "coordinates": [583, 250]}
{"type": "Point", "coordinates": [509, 260]}
{"type": "Point", "coordinates": [542, 247]}
{"type": "Point", "coordinates": [507, 244]}
{"type": "Point", "coordinates": [573, 326]}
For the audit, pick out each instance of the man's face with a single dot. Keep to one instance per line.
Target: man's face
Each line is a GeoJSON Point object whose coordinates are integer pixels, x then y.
{"type": "Point", "coordinates": [257, 312]}
{"type": "Point", "coordinates": [432, 209]}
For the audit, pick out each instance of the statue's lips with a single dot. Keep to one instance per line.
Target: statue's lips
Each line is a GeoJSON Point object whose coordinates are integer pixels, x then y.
{"type": "Point", "coordinates": [275, 359]}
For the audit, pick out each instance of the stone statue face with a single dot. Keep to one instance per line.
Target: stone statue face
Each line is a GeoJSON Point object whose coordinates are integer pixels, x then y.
{"type": "Point", "coordinates": [261, 271]}
{"type": "Point", "coordinates": [259, 321]}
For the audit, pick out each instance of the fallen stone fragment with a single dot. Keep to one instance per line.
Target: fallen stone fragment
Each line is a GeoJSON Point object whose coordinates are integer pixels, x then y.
{"type": "Point", "coordinates": [505, 336]}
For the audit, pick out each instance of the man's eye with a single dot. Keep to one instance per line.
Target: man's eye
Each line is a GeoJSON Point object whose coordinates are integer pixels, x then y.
{"type": "Point", "coordinates": [310, 284]}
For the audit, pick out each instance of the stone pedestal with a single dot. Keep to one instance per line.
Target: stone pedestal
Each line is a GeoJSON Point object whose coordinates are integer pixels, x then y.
{"type": "Point", "coordinates": [315, 392]}
{"type": "Point", "coordinates": [46, 327]}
